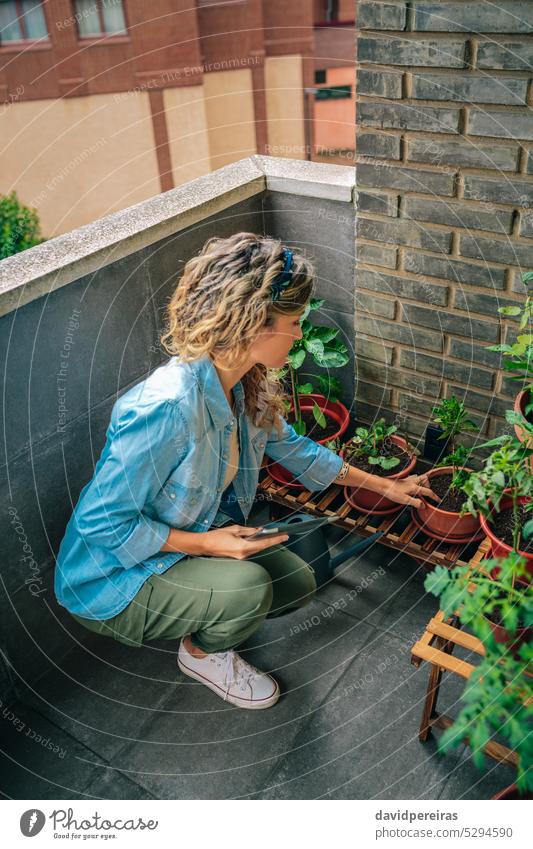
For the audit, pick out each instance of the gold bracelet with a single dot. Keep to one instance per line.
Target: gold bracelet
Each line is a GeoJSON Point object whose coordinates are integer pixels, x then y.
{"type": "Point", "coordinates": [343, 472]}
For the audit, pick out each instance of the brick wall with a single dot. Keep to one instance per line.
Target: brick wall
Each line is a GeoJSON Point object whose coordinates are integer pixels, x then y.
{"type": "Point", "coordinates": [444, 137]}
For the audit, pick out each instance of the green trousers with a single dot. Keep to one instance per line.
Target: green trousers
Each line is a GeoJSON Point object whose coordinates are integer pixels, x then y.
{"type": "Point", "coordinates": [219, 601]}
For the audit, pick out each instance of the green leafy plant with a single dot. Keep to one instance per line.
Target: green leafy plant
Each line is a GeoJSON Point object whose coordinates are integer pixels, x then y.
{"type": "Point", "coordinates": [518, 358]}
{"type": "Point", "coordinates": [333, 444]}
{"type": "Point", "coordinates": [498, 697]}
{"type": "Point", "coordinates": [479, 595]}
{"type": "Point", "coordinates": [19, 226]}
{"type": "Point", "coordinates": [494, 702]}
{"type": "Point", "coordinates": [505, 472]}
{"type": "Point", "coordinates": [369, 442]}
{"type": "Point", "coordinates": [450, 414]}
{"type": "Point", "coordinates": [328, 352]}
{"type": "Point", "coordinates": [518, 419]}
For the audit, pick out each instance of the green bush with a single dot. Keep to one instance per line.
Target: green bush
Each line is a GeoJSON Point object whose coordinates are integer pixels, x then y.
{"type": "Point", "coordinates": [19, 226]}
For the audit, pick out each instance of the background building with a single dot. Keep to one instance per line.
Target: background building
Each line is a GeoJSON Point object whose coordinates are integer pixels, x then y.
{"type": "Point", "coordinates": [333, 104]}
{"type": "Point", "coordinates": [109, 102]}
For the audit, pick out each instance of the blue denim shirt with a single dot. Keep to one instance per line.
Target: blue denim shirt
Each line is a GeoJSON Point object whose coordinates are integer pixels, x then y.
{"type": "Point", "coordinates": [163, 465]}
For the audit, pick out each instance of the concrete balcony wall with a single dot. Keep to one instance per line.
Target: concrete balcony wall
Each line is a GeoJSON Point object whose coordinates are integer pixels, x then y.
{"type": "Point", "coordinates": [81, 317]}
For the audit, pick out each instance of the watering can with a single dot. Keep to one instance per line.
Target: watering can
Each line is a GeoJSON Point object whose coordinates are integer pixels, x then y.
{"type": "Point", "coordinates": [313, 548]}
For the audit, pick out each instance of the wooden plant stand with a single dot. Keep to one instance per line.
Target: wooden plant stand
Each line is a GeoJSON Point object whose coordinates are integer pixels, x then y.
{"type": "Point", "coordinates": [402, 534]}
{"type": "Point", "coordinates": [436, 647]}
{"type": "Point", "coordinates": [400, 531]}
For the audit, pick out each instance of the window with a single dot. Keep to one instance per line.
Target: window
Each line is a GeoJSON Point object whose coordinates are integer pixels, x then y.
{"type": "Point", "coordinates": [98, 17]}
{"type": "Point", "coordinates": [320, 77]}
{"type": "Point", "coordinates": [22, 20]}
{"type": "Point", "coordinates": [326, 11]}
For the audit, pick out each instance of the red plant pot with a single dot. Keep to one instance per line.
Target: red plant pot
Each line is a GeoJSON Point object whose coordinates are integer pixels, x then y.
{"type": "Point", "coordinates": [445, 524]}
{"type": "Point", "coordinates": [511, 792]}
{"type": "Point", "coordinates": [367, 501]}
{"type": "Point", "coordinates": [332, 410]}
{"type": "Point", "coordinates": [521, 434]}
{"type": "Point", "coordinates": [500, 549]}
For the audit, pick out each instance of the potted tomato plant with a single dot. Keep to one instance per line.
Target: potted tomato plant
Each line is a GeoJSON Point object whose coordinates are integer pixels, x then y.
{"type": "Point", "coordinates": [499, 692]}
{"type": "Point", "coordinates": [377, 450]}
{"type": "Point", "coordinates": [518, 359]}
{"type": "Point", "coordinates": [502, 494]}
{"type": "Point", "coordinates": [320, 415]}
{"type": "Point", "coordinates": [444, 521]}
{"type": "Point", "coordinates": [498, 593]}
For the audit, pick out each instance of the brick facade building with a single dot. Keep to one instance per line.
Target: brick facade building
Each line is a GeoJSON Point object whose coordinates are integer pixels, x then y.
{"type": "Point", "coordinates": [109, 102]}
{"type": "Point", "coordinates": [445, 190]}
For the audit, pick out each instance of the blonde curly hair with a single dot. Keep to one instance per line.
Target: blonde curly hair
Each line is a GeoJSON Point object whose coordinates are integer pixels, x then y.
{"type": "Point", "coordinates": [221, 302]}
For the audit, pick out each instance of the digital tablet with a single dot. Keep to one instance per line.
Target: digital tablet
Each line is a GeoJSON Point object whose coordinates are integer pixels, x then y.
{"type": "Point", "coordinates": [293, 528]}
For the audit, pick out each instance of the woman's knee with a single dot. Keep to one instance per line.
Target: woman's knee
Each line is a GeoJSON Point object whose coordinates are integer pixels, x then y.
{"type": "Point", "coordinates": [254, 585]}
{"type": "Point", "coordinates": [302, 586]}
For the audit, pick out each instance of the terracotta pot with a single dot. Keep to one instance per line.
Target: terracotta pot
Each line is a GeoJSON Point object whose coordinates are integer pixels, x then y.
{"type": "Point", "coordinates": [502, 636]}
{"type": "Point", "coordinates": [332, 410]}
{"type": "Point", "coordinates": [511, 792]}
{"type": "Point", "coordinates": [520, 407]}
{"type": "Point", "coordinates": [498, 547]}
{"type": "Point", "coordinates": [445, 524]}
{"type": "Point", "coordinates": [367, 501]}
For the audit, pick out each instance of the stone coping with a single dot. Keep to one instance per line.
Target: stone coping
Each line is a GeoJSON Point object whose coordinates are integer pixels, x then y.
{"type": "Point", "coordinates": [40, 270]}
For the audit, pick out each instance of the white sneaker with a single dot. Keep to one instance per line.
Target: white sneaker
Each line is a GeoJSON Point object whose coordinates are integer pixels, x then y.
{"type": "Point", "coordinates": [228, 675]}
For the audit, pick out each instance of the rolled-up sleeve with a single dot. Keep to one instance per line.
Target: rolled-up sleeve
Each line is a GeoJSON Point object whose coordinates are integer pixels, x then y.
{"type": "Point", "coordinates": [143, 445]}
{"type": "Point", "coordinates": [314, 465]}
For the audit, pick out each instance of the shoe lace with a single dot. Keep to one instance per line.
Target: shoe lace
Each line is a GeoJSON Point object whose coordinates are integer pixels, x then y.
{"type": "Point", "coordinates": [236, 671]}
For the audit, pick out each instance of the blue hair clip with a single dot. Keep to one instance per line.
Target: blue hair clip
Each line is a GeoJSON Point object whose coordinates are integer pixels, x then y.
{"type": "Point", "coordinates": [279, 285]}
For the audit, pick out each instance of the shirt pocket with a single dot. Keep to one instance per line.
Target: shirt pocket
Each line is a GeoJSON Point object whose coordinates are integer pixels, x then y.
{"type": "Point", "coordinates": [258, 443]}
{"type": "Point", "coordinates": [177, 504]}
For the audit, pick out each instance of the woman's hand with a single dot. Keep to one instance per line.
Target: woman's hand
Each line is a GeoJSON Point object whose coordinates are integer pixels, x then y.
{"type": "Point", "coordinates": [230, 541]}
{"type": "Point", "coordinates": [404, 491]}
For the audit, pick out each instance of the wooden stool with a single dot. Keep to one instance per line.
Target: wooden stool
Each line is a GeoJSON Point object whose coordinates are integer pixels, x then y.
{"type": "Point", "coordinates": [436, 646]}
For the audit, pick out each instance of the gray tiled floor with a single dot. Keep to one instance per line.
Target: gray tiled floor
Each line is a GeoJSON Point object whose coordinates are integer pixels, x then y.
{"type": "Point", "coordinates": [117, 722]}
